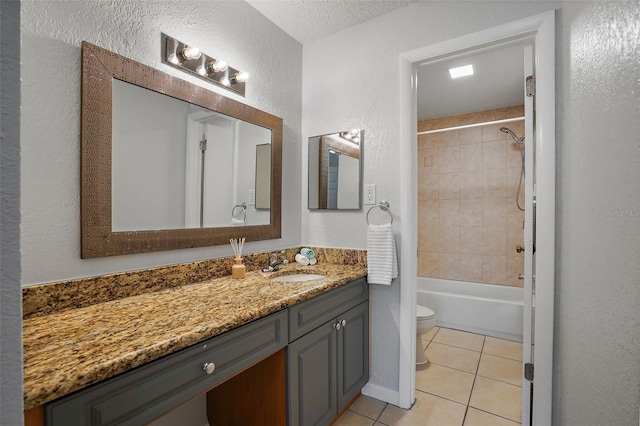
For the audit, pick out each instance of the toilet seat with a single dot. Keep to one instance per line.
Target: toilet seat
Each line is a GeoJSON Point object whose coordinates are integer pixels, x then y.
{"type": "Point", "coordinates": [424, 313]}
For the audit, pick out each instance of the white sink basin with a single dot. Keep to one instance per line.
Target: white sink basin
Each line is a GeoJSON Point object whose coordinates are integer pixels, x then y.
{"type": "Point", "coordinates": [297, 278]}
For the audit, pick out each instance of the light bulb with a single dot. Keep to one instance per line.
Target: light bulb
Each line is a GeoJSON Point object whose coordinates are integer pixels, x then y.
{"type": "Point", "coordinates": [191, 52]}
{"type": "Point", "coordinates": [219, 65]}
{"type": "Point", "coordinates": [240, 77]}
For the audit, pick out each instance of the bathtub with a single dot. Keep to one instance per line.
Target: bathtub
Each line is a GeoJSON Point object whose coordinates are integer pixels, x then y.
{"type": "Point", "coordinates": [489, 309]}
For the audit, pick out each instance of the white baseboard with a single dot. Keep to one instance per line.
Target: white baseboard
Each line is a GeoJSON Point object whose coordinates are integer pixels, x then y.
{"type": "Point", "coordinates": [381, 393]}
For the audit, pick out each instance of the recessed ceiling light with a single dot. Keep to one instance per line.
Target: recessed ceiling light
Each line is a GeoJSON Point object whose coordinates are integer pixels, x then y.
{"type": "Point", "coordinates": [462, 71]}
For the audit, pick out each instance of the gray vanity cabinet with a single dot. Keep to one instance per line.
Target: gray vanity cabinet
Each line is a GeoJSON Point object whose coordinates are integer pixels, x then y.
{"type": "Point", "coordinates": [329, 365]}
{"type": "Point", "coordinates": [147, 392]}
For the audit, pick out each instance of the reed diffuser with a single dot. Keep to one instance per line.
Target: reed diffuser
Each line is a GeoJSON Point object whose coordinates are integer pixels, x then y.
{"type": "Point", "coordinates": [238, 269]}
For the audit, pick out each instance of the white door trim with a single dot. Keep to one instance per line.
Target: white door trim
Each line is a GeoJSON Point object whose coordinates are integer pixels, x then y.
{"type": "Point", "coordinates": [542, 27]}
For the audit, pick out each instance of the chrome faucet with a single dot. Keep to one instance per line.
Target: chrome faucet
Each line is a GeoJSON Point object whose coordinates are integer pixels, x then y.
{"type": "Point", "coordinates": [275, 263]}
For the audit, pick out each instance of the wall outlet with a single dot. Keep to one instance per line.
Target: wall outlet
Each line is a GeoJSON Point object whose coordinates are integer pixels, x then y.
{"type": "Point", "coordinates": [370, 194]}
{"type": "Point", "coordinates": [252, 197]}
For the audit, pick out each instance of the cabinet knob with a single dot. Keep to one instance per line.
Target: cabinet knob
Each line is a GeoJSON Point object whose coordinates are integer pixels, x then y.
{"type": "Point", "coordinates": [340, 323]}
{"type": "Point", "coordinates": [209, 367]}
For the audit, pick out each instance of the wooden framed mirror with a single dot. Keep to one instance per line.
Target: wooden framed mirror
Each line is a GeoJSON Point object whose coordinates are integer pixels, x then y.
{"type": "Point", "coordinates": [103, 70]}
{"type": "Point", "coordinates": [335, 171]}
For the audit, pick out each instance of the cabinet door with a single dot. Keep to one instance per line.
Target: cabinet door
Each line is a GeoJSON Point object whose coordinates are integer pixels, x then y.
{"type": "Point", "coordinates": [353, 353]}
{"type": "Point", "coordinates": [312, 377]}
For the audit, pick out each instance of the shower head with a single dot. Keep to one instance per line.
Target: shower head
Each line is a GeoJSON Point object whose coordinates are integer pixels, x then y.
{"type": "Point", "coordinates": [518, 140]}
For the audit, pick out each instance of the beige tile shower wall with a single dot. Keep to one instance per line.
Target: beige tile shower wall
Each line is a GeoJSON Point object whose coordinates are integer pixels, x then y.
{"type": "Point", "coordinates": [468, 223]}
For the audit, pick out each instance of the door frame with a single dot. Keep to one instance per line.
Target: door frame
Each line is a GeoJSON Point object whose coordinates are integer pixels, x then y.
{"type": "Point", "coordinates": [542, 28]}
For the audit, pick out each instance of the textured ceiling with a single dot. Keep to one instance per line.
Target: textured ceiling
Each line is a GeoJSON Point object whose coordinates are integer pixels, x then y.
{"type": "Point", "coordinates": [309, 20]}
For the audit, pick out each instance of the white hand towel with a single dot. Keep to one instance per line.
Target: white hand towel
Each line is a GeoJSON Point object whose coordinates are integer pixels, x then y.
{"type": "Point", "coordinates": [382, 261]}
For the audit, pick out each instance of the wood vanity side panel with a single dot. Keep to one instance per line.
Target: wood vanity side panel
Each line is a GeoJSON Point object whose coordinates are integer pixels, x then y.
{"type": "Point", "coordinates": [255, 397]}
{"type": "Point", "coordinates": [34, 416]}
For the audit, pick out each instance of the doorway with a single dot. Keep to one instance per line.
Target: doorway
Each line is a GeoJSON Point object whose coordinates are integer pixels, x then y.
{"type": "Point", "coordinates": [540, 29]}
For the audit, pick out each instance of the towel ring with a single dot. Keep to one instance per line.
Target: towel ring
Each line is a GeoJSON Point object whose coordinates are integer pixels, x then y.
{"type": "Point", "coordinates": [239, 212]}
{"type": "Point", "coordinates": [384, 206]}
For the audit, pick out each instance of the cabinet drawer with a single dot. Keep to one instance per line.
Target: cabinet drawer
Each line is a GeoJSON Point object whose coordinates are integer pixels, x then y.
{"type": "Point", "coordinates": [312, 313]}
{"type": "Point", "coordinates": [147, 392]}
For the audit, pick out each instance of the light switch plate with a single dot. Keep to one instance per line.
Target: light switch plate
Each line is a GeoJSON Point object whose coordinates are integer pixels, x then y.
{"type": "Point", "coordinates": [252, 197]}
{"type": "Point", "coordinates": [370, 194]}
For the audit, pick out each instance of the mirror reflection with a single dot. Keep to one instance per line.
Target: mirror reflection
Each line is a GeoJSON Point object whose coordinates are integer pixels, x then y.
{"type": "Point", "coordinates": [334, 170]}
{"type": "Point", "coordinates": [178, 165]}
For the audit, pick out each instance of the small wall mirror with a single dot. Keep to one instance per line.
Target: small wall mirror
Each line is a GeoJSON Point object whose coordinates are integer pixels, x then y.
{"type": "Point", "coordinates": [335, 170]}
{"type": "Point", "coordinates": [167, 164]}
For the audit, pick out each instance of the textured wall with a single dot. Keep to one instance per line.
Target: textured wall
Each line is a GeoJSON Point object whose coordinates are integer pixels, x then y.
{"type": "Point", "coordinates": [52, 32]}
{"type": "Point", "coordinates": [597, 341]}
{"type": "Point", "coordinates": [596, 353]}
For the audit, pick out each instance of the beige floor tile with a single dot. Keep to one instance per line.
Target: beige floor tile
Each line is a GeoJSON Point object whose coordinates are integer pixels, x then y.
{"type": "Point", "coordinates": [367, 406]}
{"type": "Point", "coordinates": [480, 418]}
{"type": "Point", "coordinates": [426, 338]}
{"type": "Point", "coordinates": [453, 357]}
{"type": "Point", "coordinates": [504, 348]}
{"type": "Point", "coordinates": [461, 339]}
{"type": "Point", "coordinates": [349, 418]}
{"type": "Point", "coordinates": [502, 369]}
{"type": "Point", "coordinates": [428, 410]}
{"type": "Point", "coordinates": [497, 398]}
{"type": "Point", "coordinates": [445, 382]}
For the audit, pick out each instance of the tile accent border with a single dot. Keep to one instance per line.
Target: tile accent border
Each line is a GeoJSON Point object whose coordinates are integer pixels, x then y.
{"type": "Point", "coordinates": [49, 298]}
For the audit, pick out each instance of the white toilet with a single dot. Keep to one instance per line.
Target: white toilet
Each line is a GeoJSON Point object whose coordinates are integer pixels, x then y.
{"type": "Point", "coordinates": [425, 321]}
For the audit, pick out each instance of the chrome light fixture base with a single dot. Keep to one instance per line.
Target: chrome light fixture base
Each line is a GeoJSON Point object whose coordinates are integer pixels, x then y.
{"type": "Point", "coordinates": [180, 55]}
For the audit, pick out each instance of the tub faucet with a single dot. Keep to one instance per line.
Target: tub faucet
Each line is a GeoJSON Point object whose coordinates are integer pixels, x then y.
{"type": "Point", "coordinates": [275, 263]}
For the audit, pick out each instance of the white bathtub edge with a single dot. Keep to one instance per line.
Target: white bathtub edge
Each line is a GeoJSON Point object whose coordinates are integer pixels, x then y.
{"type": "Point", "coordinates": [486, 309]}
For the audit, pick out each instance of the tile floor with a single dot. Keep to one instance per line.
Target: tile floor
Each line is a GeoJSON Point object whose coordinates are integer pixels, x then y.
{"type": "Point", "coordinates": [470, 380]}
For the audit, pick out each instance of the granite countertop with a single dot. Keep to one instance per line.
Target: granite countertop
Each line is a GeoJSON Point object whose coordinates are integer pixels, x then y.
{"type": "Point", "coordinates": [69, 350]}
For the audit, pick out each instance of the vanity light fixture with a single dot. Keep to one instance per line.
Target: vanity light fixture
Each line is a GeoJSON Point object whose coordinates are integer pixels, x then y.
{"type": "Point", "coordinates": [351, 137]}
{"type": "Point", "coordinates": [462, 71]}
{"type": "Point", "coordinates": [191, 60]}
